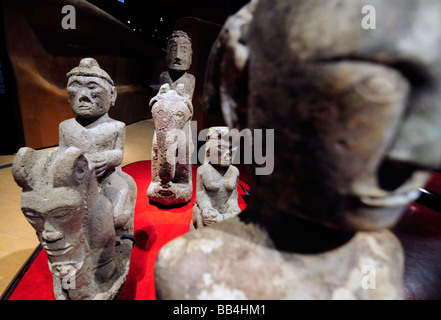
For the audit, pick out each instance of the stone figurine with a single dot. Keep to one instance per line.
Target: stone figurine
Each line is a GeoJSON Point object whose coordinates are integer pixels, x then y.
{"type": "Point", "coordinates": [172, 147]}
{"type": "Point", "coordinates": [91, 94]}
{"type": "Point", "coordinates": [74, 222]}
{"type": "Point", "coordinates": [356, 115]}
{"type": "Point", "coordinates": [217, 179]}
{"type": "Point", "coordinates": [179, 56]}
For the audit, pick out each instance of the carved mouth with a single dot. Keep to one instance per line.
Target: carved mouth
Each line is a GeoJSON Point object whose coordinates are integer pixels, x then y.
{"type": "Point", "coordinates": [393, 200]}
{"type": "Point", "coordinates": [398, 185]}
{"type": "Point", "coordinates": [57, 251]}
{"type": "Point", "coordinates": [166, 193]}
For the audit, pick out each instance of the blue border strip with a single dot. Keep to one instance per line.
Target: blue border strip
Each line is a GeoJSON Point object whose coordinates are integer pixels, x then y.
{"type": "Point", "coordinates": [6, 166]}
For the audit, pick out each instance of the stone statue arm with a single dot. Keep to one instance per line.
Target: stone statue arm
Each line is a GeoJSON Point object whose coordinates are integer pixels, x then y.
{"type": "Point", "coordinates": [103, 161]}
{"type": "Point", "coordinates": [61, 137]}
{"type": "Point", "coordinates": [202, 198]}
{"type": "Point", "coordinates": [232, 204]}
{"type": "Point", "coordinates": [191, 85]}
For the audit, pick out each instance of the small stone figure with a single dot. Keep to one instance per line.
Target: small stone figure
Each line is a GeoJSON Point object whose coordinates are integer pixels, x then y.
{"type": "Point", "coordinates": [356, 118]}
{"type": "Point", "coordinates": [172, 146]}
{"type": "Point", "coordinates": [91, 94]}
{"type": "Point", "coordinates": [179, 56]}
{"type": "Point", "coordinates": [217, 179]}
{"type": "Point", "coordinates": [75, 223]}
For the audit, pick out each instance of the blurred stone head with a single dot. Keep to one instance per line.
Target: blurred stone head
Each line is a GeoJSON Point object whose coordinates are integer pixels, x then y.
{"type": "Point", "coordinates": [356, 112]}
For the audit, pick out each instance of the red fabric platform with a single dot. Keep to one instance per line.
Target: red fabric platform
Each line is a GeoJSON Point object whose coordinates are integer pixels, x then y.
{"type": "Point", "coordinates": [154, 227]}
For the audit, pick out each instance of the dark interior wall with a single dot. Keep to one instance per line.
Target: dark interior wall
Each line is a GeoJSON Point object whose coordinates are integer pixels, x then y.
{"type": "Point", "coordinates": [128, 40]}
{"type": "Point", "coordinates": [42, 52]}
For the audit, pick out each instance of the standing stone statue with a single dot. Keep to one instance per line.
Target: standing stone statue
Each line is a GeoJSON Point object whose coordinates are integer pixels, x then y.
{"type": "Point", "coordinates": [172, 147]}
{"type": "Point", "coordinates": [74, 221]}
{"type": "Point", "coordinates": [356, 115]}
{"type": "Point", "coordinates": [217, 179]}
{"type": "Point", "coordinates": [179, 56]}
{"type": "Point", "coordinates": [91, 94]}
{"type": "Point", "coordinates": [172, 111]}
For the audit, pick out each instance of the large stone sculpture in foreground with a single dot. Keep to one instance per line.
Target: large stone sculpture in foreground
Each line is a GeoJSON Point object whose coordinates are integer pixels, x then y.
{"type": "Point", "coordinates": [357, 117]}
{"type": "Point", "coordinates": [216, 190]}
{"type": "Point", "coordinates": [75, 224]}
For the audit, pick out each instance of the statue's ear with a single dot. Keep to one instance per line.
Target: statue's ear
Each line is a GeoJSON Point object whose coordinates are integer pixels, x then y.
{"type": "Point", "coordinates": [153, 101]}
{"type": "Point", "coordinates": [164, 88]}
{"type": "Point", "coordinates": [71, 168]}
{"type": "Point", "coordinates": [226, 80]}
{"type": "Point", "coordinates": [113, 96]}
{"type": "Point", "coordinates": [21, 168]}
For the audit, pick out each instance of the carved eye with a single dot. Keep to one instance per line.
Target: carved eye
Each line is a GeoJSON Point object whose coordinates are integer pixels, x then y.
{"type": "Point", "coordinates": [74, 85]}
{"type": "Point", "coordinates": [62, 214]}
{"type": "Point", "coordinates": [180, 114]}
{"type": "Point", "coordinates": [31, 215]}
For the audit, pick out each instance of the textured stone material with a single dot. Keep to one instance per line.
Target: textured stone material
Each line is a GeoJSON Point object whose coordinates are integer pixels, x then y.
{"type": "Point", "coordinates": [101, 138]}
{"type": "Point", "coordinates": [77, 197]}
{"type": "Point", "coordinates": [179, 56]}
{"type": "Point", "coordinates": [356, 115]}
{"type": "Point", "coordinates": [172, 146]}
{"type": "Point", "coordinates": [216, 190]}
{"type": "Point", "coordinates": [74, 222]}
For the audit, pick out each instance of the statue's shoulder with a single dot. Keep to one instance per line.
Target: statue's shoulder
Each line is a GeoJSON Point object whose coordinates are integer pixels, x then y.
{"type": "Point", "coordinates": [68, 122]}
{"type": "Point", "coordinates": [118, 125]}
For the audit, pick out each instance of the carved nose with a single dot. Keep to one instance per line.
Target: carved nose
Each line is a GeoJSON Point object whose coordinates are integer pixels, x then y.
{"type": "Point", "coordinates": [84, 97]}
{"type": "Point", "coordinates": [50, 234]}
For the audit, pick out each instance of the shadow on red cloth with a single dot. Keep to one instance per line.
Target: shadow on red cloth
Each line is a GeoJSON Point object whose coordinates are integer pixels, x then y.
{"type": "Point", "coordinates": [420, 234]}
{"type": "Point", "coordinates": [154, 227]}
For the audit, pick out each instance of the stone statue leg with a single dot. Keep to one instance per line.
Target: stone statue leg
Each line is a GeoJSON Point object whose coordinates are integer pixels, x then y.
{"type": "Point", "coordinates": [196, 221]}
{"type": "Point", "coordinates": [116, 189]}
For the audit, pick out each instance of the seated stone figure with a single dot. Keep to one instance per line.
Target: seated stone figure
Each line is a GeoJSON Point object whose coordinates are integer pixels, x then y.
{"type": "Point", "coordinates": [356, 116]}
{"type": "Point", "coordinates": [74, 223]}
{"type": "Point", "coordinates": [91, 94]}
{"type": "Point", "coordinates": [216, 190]}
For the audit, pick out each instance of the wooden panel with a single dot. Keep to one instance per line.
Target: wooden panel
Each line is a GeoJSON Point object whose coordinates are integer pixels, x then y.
{"type": "Point", "coordinates": [42, 52]}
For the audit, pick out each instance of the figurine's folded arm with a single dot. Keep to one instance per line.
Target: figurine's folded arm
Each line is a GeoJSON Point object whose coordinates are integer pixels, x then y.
{"type": "Point", "coordinates": [202, 199]}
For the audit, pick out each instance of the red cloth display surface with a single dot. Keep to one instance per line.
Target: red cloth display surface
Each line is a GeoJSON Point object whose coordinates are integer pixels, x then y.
{"type": "Point", "coordinates": [154, 227]}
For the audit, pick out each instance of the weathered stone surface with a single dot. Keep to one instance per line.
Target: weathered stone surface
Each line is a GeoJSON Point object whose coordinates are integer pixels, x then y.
{"type": "Point", "coordinates": [101, 138]}
{"type": "Point", "coordinates": [172, 111]}
{"type": "Point", "coordinates": [216, 190]}
{"type": "Point", "coordinates": [356, 115]}
{"type": "Point", "coordinates": [172, 146]}
{"type": "Point", "coordinates": [77, 197]}
{"type": "Point", "coordinates": [179, 56]}
{"type": "Point", "coordinates": [74, 222]}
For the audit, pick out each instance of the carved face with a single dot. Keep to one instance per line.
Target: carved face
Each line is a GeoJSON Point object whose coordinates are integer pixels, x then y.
{"type": "Point", "coordinates": [179, 54]}
{"type": "Point", "coordinates": [52, 202]}
{"type": "Point", "coordinates": [356, 113]}
{"type": "Point", "coordinates": [90, 97]}
{"type": "Point", "coordinates": [59, 220]}
{"type": "Point", "coordinates": [220, 155]}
